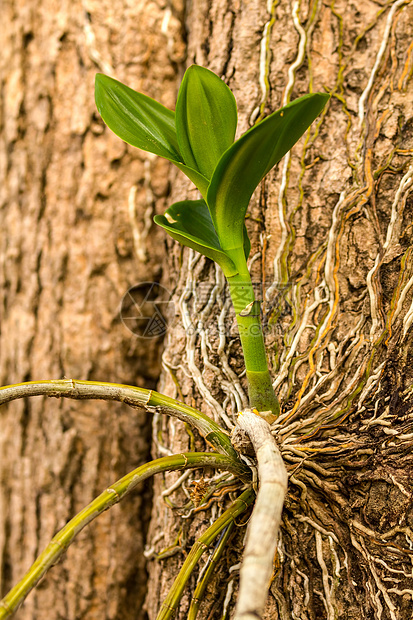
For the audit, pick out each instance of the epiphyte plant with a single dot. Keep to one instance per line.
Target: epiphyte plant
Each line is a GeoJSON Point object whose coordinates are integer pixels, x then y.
{"type": "Point", "coordinates": [199, 139]}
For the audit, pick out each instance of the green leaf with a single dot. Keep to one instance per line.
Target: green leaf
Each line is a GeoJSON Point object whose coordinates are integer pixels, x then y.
{"type": "Point", "coordinates": [142, 122]}
{"type": "Point", "coordinates": [247, 243]}
{"type": "Point", "coordinates": [206, 119]}
{"type": "Point", "coordinates": [249, 159]}
{"type": "Point", "coordinates": [136, 118]}
{"type": "Point", "coordinates": [196, 177]}
{"type": "Point", "coordinates": [189, 222]}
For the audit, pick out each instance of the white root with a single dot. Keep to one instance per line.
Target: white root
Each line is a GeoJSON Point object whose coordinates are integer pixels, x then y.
{"type": "Point", "coordinates": [262, 535]}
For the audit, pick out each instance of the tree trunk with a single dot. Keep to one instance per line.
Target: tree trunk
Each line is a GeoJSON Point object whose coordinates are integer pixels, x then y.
{"type": "Point", "coordinates": [331, 253]}
{"type": "Point", "coordinates": [331, 257]}
{"type": "Point", "coordinates": [76, 207]}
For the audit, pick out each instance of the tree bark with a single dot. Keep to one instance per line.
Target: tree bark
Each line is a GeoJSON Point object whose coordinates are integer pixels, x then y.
{"type": "Point", "coordinates": [331, 231]}
{"type": "Point", "coordinates": [331, 256]}
{"type": "Point", "coordinates": [76, 207]}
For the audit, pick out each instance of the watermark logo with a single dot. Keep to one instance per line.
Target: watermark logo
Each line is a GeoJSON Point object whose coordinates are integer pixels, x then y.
{"type": "Point", "coordinates": [147, 310]}
{"type": "Point", "coordinates": [144, 309]}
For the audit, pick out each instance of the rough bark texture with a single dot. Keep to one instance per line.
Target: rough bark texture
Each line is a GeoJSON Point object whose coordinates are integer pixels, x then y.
{"type": "Point", "coordinates": [75, 205]}
{"type": "Point", "coordinates": [331, 231]}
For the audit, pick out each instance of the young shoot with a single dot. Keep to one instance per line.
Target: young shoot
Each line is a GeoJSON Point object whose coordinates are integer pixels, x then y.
{"type": "Point", "coordinates": [199, 138]}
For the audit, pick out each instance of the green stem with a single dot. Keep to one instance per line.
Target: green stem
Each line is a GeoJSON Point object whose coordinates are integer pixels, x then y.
{"type": "Point", "coordinates": [133, 396]}
{"type": "Point", "coordinates": [174, 596]}
{"type": "Point", "coordinates": [212, 562]}
{"type": "Point", "coordinates": [105, 500]}
{"type": "Point", "coordinates": [247, 311]}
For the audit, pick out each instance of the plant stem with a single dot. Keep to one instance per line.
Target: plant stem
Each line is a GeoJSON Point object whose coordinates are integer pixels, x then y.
{"type": "Point", "coordinates": [247, 311]}
{"type": "Point", "coordinates": [262, 534]}
{"type": "Point", "coordinates": [105, 500]}
{"type": "Point", "coordinates": [133, 396]}
{"type": "Point", "coordinates": [171, 602]}
{"type": "Point", "coordinates": [209, 571]}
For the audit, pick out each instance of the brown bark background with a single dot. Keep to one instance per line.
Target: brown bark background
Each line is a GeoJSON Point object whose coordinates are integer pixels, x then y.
{"type": "Point", "coordinates": [331, 232]}
{"type": "Point", "coordinates": [75, 204]}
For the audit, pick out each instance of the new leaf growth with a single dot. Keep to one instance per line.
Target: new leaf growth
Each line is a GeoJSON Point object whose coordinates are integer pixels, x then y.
{"type": "Point", "coordinates": [199, 139]}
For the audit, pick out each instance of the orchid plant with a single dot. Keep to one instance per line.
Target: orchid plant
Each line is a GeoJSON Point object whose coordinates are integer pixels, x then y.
{"type": "Point", "coordinates": [199, 138]}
